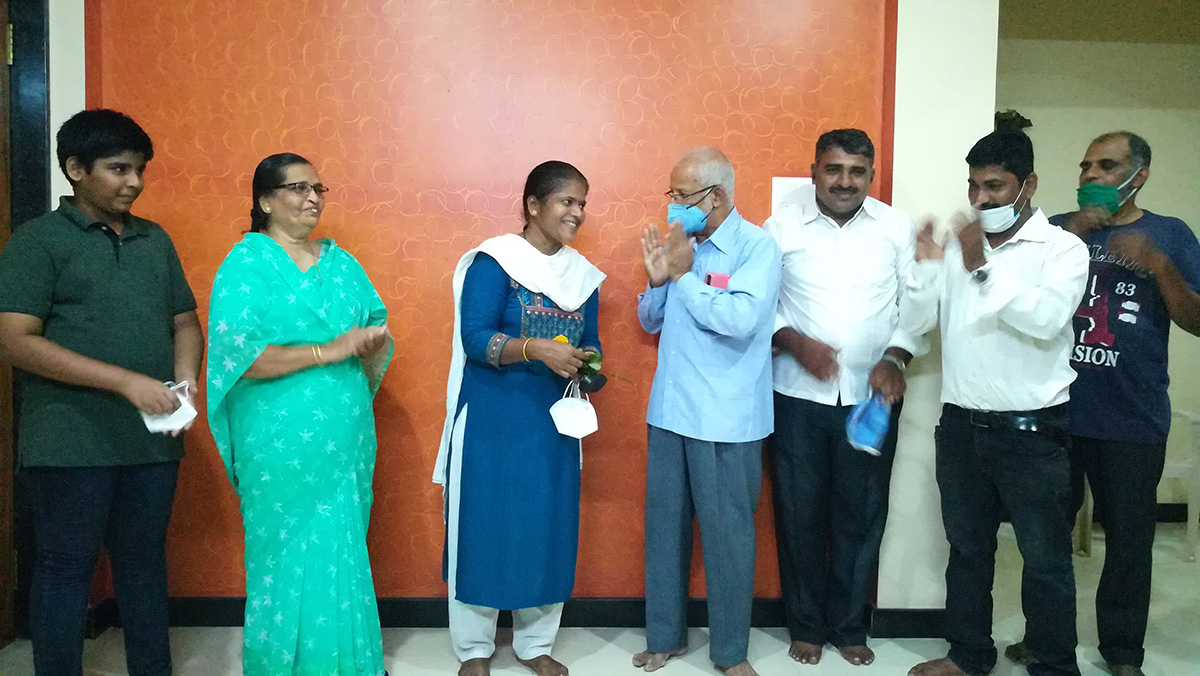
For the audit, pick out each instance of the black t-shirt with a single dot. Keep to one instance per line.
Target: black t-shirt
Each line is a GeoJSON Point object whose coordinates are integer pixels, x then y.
{"type": "Point", "coordinates": [106, 296]}
{"type": "Point", "coordinates": [1121, 332]}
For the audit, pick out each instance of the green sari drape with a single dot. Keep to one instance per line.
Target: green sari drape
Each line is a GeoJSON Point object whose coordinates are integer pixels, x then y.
{"type": "Point", "coordinates": [300, 451]}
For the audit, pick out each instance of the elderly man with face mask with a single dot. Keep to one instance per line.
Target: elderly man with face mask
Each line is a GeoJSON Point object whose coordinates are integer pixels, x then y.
{"type": "Point", "coordinates": [711, 299]}
{"type": "Point", "coordinates": [1145, 274]}
{"type": "Point", "coordinates": [838, 342]}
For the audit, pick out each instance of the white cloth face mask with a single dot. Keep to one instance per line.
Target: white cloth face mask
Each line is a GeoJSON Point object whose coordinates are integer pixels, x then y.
{"type": "Point", "coordinates": [999, 219]}
{"type": "Point", "coordinates": [173, 422]}
{"type": "Point", "coordinates": [573, 415]}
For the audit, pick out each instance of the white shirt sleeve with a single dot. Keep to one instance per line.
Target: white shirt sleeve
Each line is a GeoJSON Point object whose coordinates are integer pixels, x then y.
{"type": "Point", "coordinates": [919, 304]}
{"type": "Point", "coordinates": [1038, 307]}
{"type": "Point", "coordinates": [902, 337]}
{"type": "Point", "coordinates": [772, 227]}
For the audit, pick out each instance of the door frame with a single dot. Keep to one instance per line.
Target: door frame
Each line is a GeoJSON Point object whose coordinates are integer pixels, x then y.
{"type": "Point", "coordinates": [8, 561]}
{"type": "Point", "coordinates": [25, 185]}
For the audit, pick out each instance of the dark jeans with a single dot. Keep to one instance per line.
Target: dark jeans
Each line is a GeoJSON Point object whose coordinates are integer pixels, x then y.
{"type": "Point", "coordinates": [830, 509]}
{"type": "Point", "coordinates": [980, 471]}
{"type": "Point", "coordinates": [75, 510]}
{"type": "Point", "coordinates": [1124, 480]}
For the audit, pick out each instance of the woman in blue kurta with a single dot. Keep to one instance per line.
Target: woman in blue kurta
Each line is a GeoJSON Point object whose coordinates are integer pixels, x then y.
{"type": "Point", "coordinates": [525, 319]}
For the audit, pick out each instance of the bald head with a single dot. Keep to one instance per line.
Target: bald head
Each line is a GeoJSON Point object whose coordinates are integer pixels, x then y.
{"type": "Point", "coordinates": [703, 178]}
{"type": "Point", "coordinates": [707, 166]}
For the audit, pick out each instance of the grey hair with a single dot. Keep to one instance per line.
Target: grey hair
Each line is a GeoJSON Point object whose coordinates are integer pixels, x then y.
{"type": "Point", "coordinates": [1139, 150]}
{"type": "Point", "coordinates": [712, 167]}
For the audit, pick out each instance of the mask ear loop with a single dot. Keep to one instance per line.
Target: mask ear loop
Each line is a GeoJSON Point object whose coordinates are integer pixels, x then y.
{"type": "Point", "coordinates": [1017, 212]}
{"type": "Point", "coordinates": [1132, 192]}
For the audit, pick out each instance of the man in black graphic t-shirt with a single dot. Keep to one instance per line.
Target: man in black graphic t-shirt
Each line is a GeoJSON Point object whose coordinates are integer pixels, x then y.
{"type": "Point", "coordinates": [1144, 274]}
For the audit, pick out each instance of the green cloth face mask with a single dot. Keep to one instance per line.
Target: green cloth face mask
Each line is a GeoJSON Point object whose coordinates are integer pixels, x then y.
{"type": "Point", "coordinates": [1106, 197]}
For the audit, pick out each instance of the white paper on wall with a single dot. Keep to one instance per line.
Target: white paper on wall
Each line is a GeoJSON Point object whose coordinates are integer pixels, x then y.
{"type": "Point", "coordinates": [783, 189]}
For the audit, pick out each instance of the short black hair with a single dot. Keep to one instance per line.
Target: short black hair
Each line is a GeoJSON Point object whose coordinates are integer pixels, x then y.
{"type": "Point", "coordinates": [546, 178]}
{"type": "Point", "coordinates": [98, 133]}
{"type": "Point", "coordinates": [851, 141]}
{"type": "Point", "coordinates": [1011, 150]}
{"type": "Point", "coordinates": [269, 173]}
{"type": "Point", "coordinates": [1139, 150]}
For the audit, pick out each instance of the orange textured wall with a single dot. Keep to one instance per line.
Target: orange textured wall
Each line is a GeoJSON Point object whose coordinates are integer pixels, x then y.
{"type": "Point", "coordinates": [424, 117]}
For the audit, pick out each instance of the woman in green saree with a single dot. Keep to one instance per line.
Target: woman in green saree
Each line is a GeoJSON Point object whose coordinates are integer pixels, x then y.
{"type": "Point", "coordinates": [298, 344]}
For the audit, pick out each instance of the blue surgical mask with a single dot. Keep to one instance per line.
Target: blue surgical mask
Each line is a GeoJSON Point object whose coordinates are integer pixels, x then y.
{"type": "Point", "coordinates": [691, 217]}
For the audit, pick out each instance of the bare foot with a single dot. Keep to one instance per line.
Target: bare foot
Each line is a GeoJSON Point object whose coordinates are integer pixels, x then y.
{"type": "Point", "coordinates": [743, 669]}
{"type": "Point", "coordinates": [480, 666]}
{"type": "Point", "coordinates": [805, 653]}
{"type": "Point", "coordinates": [942, 667]}
{"type": "Point", "coordinates": [654, 661]}
{"type": "Point", "coordinates": [544, 665]}
{"type": "Point", "coordinates": [858, 655]}
{"type": "Point", "coordinates": [1019, 653]}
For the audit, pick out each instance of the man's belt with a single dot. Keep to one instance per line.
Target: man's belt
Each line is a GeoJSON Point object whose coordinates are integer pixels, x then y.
{"type": "Point", "coordinates": [1025, 421]}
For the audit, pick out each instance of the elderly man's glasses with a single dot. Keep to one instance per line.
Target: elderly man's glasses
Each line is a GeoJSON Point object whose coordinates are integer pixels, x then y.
{"type": "Point", "coordinates": [680, 197]}
{"type": "Point", "coordinates": [302, 188]}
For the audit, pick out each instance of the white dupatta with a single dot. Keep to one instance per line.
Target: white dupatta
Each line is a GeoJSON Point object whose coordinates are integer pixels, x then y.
{"type": "Point", "coordinates": [566, 277]}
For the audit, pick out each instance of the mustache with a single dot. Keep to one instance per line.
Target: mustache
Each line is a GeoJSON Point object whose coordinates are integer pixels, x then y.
{"type": "Point", "coordinates": [844, 191]}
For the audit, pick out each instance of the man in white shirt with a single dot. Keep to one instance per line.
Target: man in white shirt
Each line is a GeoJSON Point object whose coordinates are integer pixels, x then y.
{"type": "Point", "coordinates": [1005, 289]}
{"type": "Point", "coordinates": [837, 336]}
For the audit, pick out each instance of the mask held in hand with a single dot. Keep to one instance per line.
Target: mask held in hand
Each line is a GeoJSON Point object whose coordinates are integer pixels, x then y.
{"type": "Point", "coordinates": [868, 423]}
{"type": "Point", "coordinates": [573, 415]}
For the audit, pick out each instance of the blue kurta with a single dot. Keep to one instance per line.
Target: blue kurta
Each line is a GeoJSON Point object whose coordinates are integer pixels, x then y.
{"type": "Point", "coordinates": [518, 525]}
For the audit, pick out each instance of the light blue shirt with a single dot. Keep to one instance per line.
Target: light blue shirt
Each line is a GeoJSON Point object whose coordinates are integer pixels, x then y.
{"type": "Point", "coordinates": [713, 381]}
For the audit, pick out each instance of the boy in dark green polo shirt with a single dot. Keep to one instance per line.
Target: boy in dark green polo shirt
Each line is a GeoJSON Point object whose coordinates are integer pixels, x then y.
{"type": "Point", "coordinates": [96, 315]}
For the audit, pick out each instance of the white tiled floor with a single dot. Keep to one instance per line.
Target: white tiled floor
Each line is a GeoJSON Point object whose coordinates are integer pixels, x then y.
{"type": "Point", "coordinates": [1173, 644]}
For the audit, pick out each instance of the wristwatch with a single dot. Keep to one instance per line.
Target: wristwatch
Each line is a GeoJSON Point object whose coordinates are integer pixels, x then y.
{"type": "Point", "coordinates": [980, 275]}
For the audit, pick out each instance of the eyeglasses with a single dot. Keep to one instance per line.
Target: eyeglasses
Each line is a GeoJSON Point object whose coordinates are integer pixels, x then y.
{"type": "Point", "coordinates": [672, 195]}
{"type": "Point", "coordinates": [302, 188]}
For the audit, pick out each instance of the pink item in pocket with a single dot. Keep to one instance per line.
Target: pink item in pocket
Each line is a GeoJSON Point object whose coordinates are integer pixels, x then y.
{"type": "Point", "coordinates": [716, 279]}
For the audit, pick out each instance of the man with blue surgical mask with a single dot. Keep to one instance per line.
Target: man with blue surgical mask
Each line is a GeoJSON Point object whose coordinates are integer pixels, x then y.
{"type": "Point", "coordinates": [1145, 274]}
{"type": "Point", "coordinates": [1003, 290]}
{"type": "Point", "coordinates": [711, 299]}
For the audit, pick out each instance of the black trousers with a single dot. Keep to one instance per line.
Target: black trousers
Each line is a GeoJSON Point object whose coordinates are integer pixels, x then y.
{"type": "Point", "coordinates": [76, 510]}
{"type": "Point", "coordinates": [1124, 479]}
{"type": "Point", "coordinates": [981, 471]}
{"type": "Point", "coordinates": [830, 509]}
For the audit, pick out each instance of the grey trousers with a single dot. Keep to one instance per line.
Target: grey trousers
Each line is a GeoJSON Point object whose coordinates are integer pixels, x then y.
{"type": "Point", "coordinates": [719, 484]}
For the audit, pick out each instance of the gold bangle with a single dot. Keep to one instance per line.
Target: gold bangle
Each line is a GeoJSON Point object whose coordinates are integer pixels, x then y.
{"type": "Point", "coordinates": [523, 346]}
{"type": "Point", "coordinates": [318, 356]}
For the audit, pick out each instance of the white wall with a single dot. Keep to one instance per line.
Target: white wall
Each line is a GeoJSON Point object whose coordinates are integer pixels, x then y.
{"type": "Point", "coordinates": [67, 78]}
{"type": "Point", "coordinates": [945, 91]}
{"type": "Point", "coordinates": [1074, 91]}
